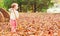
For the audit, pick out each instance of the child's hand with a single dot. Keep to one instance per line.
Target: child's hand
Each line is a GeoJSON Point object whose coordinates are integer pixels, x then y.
{"type": "Point", "coordinates": [17, 19]}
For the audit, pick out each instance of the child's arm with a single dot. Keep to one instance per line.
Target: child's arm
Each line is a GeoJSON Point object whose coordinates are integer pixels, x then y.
{"type": "Point", "coordinates": [17, 17]}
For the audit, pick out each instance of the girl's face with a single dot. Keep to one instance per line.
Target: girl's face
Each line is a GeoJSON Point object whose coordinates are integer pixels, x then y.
{"type": "Point", "coordinates": [16, 7]}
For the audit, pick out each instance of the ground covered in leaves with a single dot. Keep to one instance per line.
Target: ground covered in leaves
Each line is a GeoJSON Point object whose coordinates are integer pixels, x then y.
{"type": "Point", "coordinates": [34, 24]}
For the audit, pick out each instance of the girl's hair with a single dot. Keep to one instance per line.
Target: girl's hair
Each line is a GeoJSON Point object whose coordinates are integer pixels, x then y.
{"type": "Point", "coordinates": [13, 5]}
